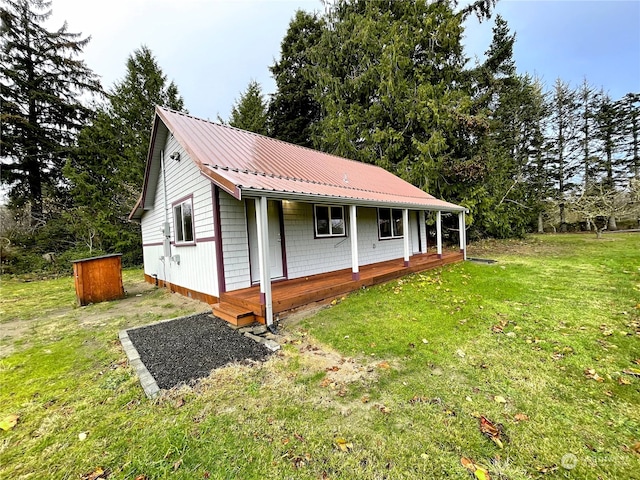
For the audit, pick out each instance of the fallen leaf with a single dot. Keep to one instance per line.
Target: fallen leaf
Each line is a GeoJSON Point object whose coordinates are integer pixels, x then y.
{"type": "Point", "coordinates": [424, 340]}
{"type": "Point", "coordinates": [335, 368]}
{"type": "Point", "coordinates": [491, 430]}
{"type": "Point", "coordinates": [499, 399]}
{"type": "Point", "coordinates": [591, 374]}
{"type": "Point", "coordinates": [177, 464]}
{"type": "Point", "coordinates": [298, 437]}
{"type": "Point", "coordinates": [8, 422]}
{"type": "Point", "coordinates": [460, 353]}
{"type": "Point", "coordinates": [97, 474]}
{"type": "Point", "coordinates": [179, 403]}
{"type": "Point", "coordinates": [144, 477]}
{"type": "Point", "coordinates": [632, 371]}
{"type": "Point", "coordinates": [478, 471]}
{"type": "Point", "coordinates": [624, 381]}
{"type": "Point", "coordinates": [384, 365]}
{"type": "Point", "coordinates": [343, 445]}
{"type": "Point", "coordinates": [636, 447]}
{"type": "Point", "coordinates": [521, 417]}
{"type": "Point", "coordinates": [82, 436]}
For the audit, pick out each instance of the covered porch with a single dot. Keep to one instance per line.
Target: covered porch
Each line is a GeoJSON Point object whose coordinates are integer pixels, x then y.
{"type": "Point", "coordinates": [243, 307]}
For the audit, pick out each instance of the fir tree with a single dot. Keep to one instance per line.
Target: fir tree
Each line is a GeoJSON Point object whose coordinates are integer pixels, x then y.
{"type": "Point", "coordinates": [292, 110]}
{"type": "Point", "coordinates": [105, 171]}
{"type": "Point", "coordinates": [41, 82]}
{"type": "Point", "coordinates": [250, 111]}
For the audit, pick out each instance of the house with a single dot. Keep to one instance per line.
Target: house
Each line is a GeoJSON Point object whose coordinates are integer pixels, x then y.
{"type": "Point", "coordinates": [256, 226]}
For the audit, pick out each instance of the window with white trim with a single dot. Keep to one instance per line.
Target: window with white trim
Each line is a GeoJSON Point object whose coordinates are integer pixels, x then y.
{"type": "Point", "coordinates": [390, 223]}
{"type": "Point", "coordinates": [183, 219]}
{"type": "Point", "coordinates": [329, 221]}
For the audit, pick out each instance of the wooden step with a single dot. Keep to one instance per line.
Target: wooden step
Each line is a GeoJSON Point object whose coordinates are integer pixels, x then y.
{"type": "Point", "coordinates": [233, 314]}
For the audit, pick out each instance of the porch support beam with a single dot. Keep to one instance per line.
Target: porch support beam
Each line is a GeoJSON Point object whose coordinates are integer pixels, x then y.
{"type": "Point", "coordinates": [422, 232]}
{"type": "Point", "coordinates": [264, 259]}
{"type": "Point", "coordinates": [463, 234]}
{"type": "Point", "coordinates": [439, 232]}
{"type": "Point", "coordinates": [405, 232]}
{"type": "Point", "coordinates": [353, 233]}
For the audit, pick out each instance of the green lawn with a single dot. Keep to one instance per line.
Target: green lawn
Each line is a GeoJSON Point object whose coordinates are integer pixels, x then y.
{"type": "Point", "coordinates": [388, 383]}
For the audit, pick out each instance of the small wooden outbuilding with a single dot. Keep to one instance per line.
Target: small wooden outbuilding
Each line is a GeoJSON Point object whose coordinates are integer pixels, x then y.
{"type": "Point", "coordinates": [98, 279]}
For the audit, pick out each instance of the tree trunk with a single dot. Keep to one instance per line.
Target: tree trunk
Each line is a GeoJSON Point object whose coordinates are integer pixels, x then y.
{"type": "Point", "coordinates": [563, 219]}
{"type": "Point", "coordinates": [588, 225]}
{"type": "Point", "coordinates": [612, 223]}
{"type": "Point", "coordinates": [540, 223]}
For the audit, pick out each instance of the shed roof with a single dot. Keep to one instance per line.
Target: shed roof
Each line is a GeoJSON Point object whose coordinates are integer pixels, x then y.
{"type": "Point", "coordinates": [247, 164]}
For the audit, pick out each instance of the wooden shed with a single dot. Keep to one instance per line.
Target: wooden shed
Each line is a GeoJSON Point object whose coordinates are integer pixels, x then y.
{"type": "Point", "coordinates": [98, 279]}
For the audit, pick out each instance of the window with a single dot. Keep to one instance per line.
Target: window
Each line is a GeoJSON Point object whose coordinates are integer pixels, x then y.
{"type": "Point", "coordinates": [390, 223]}
{"type": "Point", "coordinates": [183, 219]}
{"type": "Point", "coordinates": [329, 221]}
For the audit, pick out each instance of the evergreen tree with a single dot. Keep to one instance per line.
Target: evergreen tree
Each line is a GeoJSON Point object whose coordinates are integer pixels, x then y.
{"type": "Point", "coordinates": [629, 108]}
{"type": "Point", "coordinates": [41, 82]}
{"type": "Point", "coordinates": [250, 111]}
{"type": "Point", "coordinates": [587, 100]}
{"type": "Point", "coordinates": [105, 171]}
{"type": "Point", "coordinates": [132, 103]}
{"type": "Point", "coordinates": [292, 110]}
{"type": "Point", "coordinates": [563, 145]}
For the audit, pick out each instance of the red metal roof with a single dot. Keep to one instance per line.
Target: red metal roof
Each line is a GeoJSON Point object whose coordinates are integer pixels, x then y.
{"type": "Point", "coordinates": [245, 163]}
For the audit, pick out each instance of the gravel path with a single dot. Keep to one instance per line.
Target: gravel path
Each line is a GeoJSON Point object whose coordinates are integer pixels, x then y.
{"type": "Point", "coordinates": [189, 348]}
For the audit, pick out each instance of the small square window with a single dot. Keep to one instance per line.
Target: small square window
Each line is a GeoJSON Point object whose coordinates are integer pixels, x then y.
{"type": "Point", "coordinates": [390, 223]}
{"type": "Point", "coordinates": [329, 221]}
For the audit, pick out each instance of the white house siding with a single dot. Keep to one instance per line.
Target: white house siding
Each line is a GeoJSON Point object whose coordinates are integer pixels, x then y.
{"type": "Point", "coordinates": [197, 267]}
{"type": "Point", "coordinates": [307, 255]}
{"type": "Point", "coordinates": [370, 248]}
{"type": "Point", "coordinates": [235, 242]}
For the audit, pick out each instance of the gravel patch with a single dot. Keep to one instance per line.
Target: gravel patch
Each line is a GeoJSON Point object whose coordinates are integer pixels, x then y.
{"type": "Point", "coordinates": [188, 348]}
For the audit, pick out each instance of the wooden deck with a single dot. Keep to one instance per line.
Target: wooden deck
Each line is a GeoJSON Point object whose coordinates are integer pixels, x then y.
{"type": "Point", "coordinates": [291, 294]}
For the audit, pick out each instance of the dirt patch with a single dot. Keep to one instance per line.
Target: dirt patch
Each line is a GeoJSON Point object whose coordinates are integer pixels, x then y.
{"type": "Point", "coordinates": [340, 371]}
{"type": "Point", "coordinates": [142, 299]}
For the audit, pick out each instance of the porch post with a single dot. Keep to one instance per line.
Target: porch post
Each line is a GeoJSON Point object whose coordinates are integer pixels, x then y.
{"type": "Point", "coordinates": [264, 259]}
{"type": "Point", "coordinates": [353, 232]}
{"type": "Point", "coordinates": [439, 232]}
{"type": "Point", "coordinates": [405, 231]}
{"type": "Point", "coordinates": [423, 232]}
{"type": "Point", "coordinates": [463, 233]}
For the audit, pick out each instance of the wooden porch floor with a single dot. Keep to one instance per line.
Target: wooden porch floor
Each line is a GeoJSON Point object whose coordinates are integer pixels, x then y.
{"type": "Point", "coordinates": [291, 294]}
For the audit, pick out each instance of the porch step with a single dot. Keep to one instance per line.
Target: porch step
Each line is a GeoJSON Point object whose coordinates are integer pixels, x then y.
{"type": "Point", "coordinates": [233, 314]}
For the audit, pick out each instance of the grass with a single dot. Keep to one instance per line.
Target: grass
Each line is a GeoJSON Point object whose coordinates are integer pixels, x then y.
{"type": "Point", "coordinates": [388, 383]}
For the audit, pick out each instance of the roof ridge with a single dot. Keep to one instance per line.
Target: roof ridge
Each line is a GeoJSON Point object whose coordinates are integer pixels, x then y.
{"type": "Point", "coordinates": [230, 127]}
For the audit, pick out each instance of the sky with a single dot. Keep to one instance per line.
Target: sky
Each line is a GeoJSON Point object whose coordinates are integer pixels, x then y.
{"type": "Point", "coordinates": [211, 49]}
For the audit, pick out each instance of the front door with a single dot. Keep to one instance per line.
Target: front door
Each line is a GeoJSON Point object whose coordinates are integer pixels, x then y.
{"type": "Point", "coordinates": [275, 240]}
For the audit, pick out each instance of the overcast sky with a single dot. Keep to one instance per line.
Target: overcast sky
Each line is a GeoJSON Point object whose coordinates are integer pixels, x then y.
{"type": "Point", "coordinates": [213, 48]}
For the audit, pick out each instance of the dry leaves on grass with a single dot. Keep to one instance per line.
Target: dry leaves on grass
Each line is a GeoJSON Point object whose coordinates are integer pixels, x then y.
{"type": "Point", "coordinates": [97, 474]}
{"type": "Point", "coordinates": [521, 417]}
{"type": "Point", "coordinates": [8, 422]}
{"type": "Point", "coordinates": [342, 444]}
{"type": "Point", "coordinates": [492, 431]}
{"type": "Point", "coordinates": [634, 372]}
{"type": "Point", "coordinates": [478, 471]}
{"type": "Point", "coordinates": [591, 374]}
